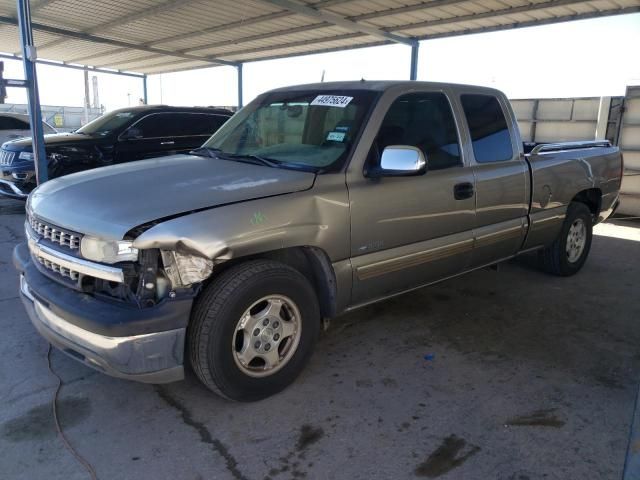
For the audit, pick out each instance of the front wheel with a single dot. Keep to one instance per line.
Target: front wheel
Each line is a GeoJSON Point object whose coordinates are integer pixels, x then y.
{"type": "Point", "coordinates": [568, 253]}
{"type": "Point", "coordinates": [253, 329]}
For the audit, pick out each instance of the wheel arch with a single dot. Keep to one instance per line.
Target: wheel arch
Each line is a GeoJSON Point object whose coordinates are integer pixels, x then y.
{"type": "Point", "coordinates": [312, 262]}
{"type": "Point", "coordinates": [592, 198]}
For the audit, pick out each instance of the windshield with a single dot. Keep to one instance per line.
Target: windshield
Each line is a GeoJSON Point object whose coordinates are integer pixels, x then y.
{"type": "Point", "coordinates": [309, 129]}
{"type": "Point", "coordinates": [108, 123]}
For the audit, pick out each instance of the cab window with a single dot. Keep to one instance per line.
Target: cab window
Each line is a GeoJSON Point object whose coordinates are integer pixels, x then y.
{"type": "Point", "coordinates": [424, 120]}
{"type": "Point", "coordinates": [488, 128]}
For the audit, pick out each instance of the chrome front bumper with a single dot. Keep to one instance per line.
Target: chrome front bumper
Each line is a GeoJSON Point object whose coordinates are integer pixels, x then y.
{"type": "Point", "coordinates": [12, 190]}
{"type": "Point", "coordinates": [150, 358]}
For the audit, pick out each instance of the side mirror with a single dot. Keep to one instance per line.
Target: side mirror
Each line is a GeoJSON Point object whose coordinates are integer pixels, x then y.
{"type": "Point", "coordinates": [400, 161]}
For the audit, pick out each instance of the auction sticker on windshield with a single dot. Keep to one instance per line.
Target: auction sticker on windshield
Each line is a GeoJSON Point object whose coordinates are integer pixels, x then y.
{"type": "Point", "coordinates": [331, 101]}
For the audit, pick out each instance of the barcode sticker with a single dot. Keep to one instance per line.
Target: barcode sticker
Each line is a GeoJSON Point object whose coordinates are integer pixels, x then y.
{"type": "Point", "coordinates": [331, 101]}
{"type": "Point", "coordinates": [336, 136]}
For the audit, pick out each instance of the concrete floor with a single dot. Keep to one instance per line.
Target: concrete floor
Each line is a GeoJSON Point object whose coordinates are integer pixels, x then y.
{"type": "Point", "coordinates": [527, 376]}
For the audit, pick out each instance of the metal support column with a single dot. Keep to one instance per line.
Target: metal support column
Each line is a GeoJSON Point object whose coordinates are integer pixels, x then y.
{"type": "Point", "coordinates": [239, 67]}
{"type": "Point", "coordinates": [87, 101]}
{"type": "Point", "coordinates": [29, 58]}
{"type": "Point", "coordinates": [144, 90]}
{"type": "Point", "coordinates": [413, 74]}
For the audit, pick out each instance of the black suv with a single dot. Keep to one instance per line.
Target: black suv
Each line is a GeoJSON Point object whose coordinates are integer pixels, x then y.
{"type": "Point", "coordinates": [119, 136]}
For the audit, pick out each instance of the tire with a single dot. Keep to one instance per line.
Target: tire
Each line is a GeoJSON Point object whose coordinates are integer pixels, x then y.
{"type": "Point", "coordinates": [556, 258]}
{"type": "Point", "coordinates": [219, 350]}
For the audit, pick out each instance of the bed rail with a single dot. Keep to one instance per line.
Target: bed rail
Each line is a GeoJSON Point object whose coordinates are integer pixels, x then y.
{"type": "Point", "coordinates": [558, 147]}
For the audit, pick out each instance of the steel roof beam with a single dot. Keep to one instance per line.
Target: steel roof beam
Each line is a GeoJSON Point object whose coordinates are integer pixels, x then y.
{"type": "Point", "coordinates": [225, 43]}
{"type": "Point", "coordinates": [76, 67]}
{"type": "Point", "coordinates": [301, 43]}
{"type": "Point", "coordinates": [409, 8]}
{"type": "Point", "coordinates": [307, 28]}
{"type": "Point", "coordinates": [124, 20]}
{"type": "Point", "coordinates": [534, 23]}
{"type": "Point", "coordinates": [217, 28]}
{"type": "Point", "coordinates": [339, 21]}
{"type": "Point", "coordinates": [428, 23]}
{"type": "Point", "coordinates": [117, 43]}
{"type": "Point", "coordinates": [510, 26]}
{"type": "Point", "coordinates": [247, 21]}
{"type": "Point", "coordinates": [489, 14]}
{"type": "Point", "coordinates": [381, 13]}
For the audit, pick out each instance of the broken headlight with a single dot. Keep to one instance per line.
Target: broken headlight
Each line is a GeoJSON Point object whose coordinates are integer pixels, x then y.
{"type": "Point", "coordinates": [108, 251]}
{"type": "Point", "coordinates": [184, 270]}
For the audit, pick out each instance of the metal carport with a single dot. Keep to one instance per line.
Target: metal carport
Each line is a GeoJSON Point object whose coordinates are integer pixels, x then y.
{"type": "Point", "coordinates": [158, 36]}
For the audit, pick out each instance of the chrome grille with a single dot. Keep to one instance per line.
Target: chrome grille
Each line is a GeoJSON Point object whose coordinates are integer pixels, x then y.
{"type": "Point", "coordinates": [55, 234]}
{"type": "Point", "coordinates": [59, 269]}
{"type": "Point", "coordinates": [6, 157]}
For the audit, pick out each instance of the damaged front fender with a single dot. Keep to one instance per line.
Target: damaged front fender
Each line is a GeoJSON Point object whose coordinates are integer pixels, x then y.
{"type": "Point", "coordinates": [318, 217]}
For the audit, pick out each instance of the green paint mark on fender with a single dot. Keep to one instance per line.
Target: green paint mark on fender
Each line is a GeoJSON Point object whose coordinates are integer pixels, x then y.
{"type": "Point", "coordinates": [258, 218]}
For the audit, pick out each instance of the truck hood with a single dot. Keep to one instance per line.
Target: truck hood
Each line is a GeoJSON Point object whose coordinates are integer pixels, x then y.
{"type": "Point", "coordinates": [53, 140]}
{"type": "Point", "coordinates": [108, 202]}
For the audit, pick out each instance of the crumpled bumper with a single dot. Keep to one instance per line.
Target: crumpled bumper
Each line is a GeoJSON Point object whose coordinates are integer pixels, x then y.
{"type": "Point", "coordinates": [155, 357]}
{"type": "Point", "coordinates": [10, 189]}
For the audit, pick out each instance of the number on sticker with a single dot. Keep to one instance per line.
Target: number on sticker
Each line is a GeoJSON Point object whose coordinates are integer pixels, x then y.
{"type": "Point", "coordinates": [331, 101]}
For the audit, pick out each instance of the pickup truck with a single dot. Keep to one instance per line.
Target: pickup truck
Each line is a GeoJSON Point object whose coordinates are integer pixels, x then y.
{"type": "Point", "coordinates": [311, 201]}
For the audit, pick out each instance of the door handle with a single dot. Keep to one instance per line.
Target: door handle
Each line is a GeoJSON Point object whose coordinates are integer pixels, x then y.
{"type": "Point", "coordinates": [170, 142]}
{"type": "Point", "coordinates": [463, 190]}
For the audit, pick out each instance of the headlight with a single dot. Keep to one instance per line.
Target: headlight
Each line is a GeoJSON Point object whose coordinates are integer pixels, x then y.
{"type": "Point", "coordinates": [26, 156]}
{"type": "Point", "coordinates": [108, 251]}
{"type": "Point", "coordinates": [184, 270]}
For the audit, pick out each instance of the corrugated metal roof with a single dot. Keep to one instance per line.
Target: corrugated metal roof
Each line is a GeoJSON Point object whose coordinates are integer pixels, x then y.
{"type": "Point", "coordinates": [156, 36]}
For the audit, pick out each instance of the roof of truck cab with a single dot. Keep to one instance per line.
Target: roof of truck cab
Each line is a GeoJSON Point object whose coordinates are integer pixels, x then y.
{"type": "Point", "coordinates": [381, 86]}
{"type": "Point", "coordinates": [171, 108]}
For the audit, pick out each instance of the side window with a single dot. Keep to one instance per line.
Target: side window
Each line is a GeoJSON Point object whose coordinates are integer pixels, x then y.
{"type": "Point", "coordinates": [19, 124]}
{"type": "Point", "coordinates": [155, 125]}
{"type": "Point", "coordinates": [422, 120]}
{"type": "Point", "coordinates": [10, 123]}
{"type": "Point", "coordinates": [488, 128]}
{"type": "Point", "coordinates": [190, 124]}
{"type": "Point", "coordinates": [178, 125]}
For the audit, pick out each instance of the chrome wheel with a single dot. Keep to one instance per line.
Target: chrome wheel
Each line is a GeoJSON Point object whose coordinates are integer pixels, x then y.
{"type": "Point", "coordinates": [576, 240]}
{"type": "Point", "coordinates": [266, 336]}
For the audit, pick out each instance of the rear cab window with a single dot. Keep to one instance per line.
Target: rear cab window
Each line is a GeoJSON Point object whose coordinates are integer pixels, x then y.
{"type": "Point", "coordinates": [488, 128]}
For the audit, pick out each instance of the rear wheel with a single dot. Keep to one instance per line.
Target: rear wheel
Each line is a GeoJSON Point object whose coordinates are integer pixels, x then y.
{"type": "Point", "coordinates": [568, 253]}
{"type": "Point", "coordinates": [253, 329]}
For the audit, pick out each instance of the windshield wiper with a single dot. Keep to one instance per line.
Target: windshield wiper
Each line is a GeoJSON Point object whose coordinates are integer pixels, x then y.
{"type": "Point", "coordinates": [254, 159]}
{"type": "Point", "coordinates": [206, 152]}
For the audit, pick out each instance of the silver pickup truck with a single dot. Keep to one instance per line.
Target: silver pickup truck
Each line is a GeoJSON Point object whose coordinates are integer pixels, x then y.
{"type": "Point", "coordinates": [310, 202]}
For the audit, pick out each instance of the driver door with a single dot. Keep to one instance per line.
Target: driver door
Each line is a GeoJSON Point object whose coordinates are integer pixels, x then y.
{"type": "Point", "coordinates": [410, 231]}
{"type": "Point", "coordinates": [151, 136]}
